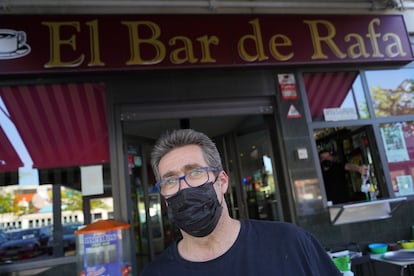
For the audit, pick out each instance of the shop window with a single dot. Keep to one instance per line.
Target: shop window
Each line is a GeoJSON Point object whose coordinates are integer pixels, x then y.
{"type": "Point", "coordinates": [51, 136]}
{"type": "Point", "coordinates": [97, 216]}
{"type": "Point", "coordinates": [335, 96]}
{"type": "Point", "coordinates": [398, 139]}
{"type": "Point", "coordinates": [392, 92]}
{"type": "Point", "coordinates": [342, 152]}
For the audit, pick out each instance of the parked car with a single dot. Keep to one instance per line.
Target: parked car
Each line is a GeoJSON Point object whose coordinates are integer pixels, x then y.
{"type": "Point", "coordinates": [3, 237]}
{"type": "Point", "coordinates": [68, 239]}
{"type": "Point", "coordinates": [23, 244]}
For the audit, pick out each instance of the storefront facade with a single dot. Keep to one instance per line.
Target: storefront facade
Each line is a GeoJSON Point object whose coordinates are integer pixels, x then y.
{"type": "Point", "coordinates": [90, 94]}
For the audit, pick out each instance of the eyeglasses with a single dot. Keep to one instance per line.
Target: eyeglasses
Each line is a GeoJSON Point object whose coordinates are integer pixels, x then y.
{"type": "Point", "coordinates": [194, 178]}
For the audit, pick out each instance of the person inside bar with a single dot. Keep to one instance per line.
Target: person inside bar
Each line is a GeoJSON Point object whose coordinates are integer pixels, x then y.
{"type": "Point", "coordinates": [193, 182]}
{"type": "Point", "coordinates": [335, 177]}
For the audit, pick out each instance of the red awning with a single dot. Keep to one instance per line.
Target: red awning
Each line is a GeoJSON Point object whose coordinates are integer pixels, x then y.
{"type": "Point", "coordinates": [60, 126]}
{"type": "Point", "coordinates": [326, 90]}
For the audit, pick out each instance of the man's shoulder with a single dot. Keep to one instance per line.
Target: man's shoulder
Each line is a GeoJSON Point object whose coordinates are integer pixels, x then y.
{"type": "Point", "coordinates": [270, 223]}
{"type": "Point", "coordinates": [272, 226]}
{"type": "Point", "coordinates": [162, 262]}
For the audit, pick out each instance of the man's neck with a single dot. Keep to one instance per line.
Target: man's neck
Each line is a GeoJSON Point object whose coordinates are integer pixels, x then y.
{"type": "Point", "coordinates": [212, 246]}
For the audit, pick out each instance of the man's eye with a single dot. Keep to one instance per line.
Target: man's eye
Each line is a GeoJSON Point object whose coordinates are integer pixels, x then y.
{"type": "Point", "coordinates": [196, 173]}
{"type": "Point", "coordinates": [170, 181]}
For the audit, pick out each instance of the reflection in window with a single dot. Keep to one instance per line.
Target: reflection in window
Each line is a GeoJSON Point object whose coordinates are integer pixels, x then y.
{"type": "Point", "coordinates": [398, 139]}
{"type": "Point", "coordinates": [335, 96]}
{"type": "Point", "coordinates": [392, 91]}
{"type": "Point", "coordinates": [31, 206]}
{"type": "Point", "coordinates": [29, 209]}
{"type": "Point", "coordinates": [40, 158]}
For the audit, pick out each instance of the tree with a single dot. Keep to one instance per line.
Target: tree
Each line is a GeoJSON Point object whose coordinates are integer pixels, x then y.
{"type": "Point", "coordinates": [391, 102]}
{"type": "Point", "coordinates": [98, 203]}
{"type": "Point", "coordinates": [6, 202]}
{"type": "Point", "coordinates": [71, 199]}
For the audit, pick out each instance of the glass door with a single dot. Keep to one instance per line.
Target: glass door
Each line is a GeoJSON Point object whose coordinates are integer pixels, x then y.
{"type": "Point", "coordinates": [146, 204]}
{"type": "Point", "coordinates": [258, 182]}
{"type": "Point", "coordinates": [248, 160]}
{"type": "Point", "coordinates": [241, 134]}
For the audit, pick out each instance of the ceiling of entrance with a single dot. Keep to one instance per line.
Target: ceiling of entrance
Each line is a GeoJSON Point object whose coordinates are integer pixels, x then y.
{"type": "Point", "coordinates": [213, 126]}
{"type": "Point", "coordinates": [197, 6]}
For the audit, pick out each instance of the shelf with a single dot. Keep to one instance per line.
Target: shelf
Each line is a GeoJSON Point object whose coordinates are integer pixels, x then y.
{"type": "Point", "coordinates": [364, 211]}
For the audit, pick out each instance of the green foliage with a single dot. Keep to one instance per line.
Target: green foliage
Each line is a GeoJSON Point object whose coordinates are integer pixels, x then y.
{"type": "Point", "coordinates": [391, 102]}
{"type": "Point", "coordinates": [71, 200]}
{"type": "Point", "coordinates": [6, 202]}
{"type": "Point", "coordinates": [97, 203]}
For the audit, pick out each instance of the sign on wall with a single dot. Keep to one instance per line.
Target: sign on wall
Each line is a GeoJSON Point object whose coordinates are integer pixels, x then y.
{"type": "Point", "coordinates": [56, 43]}
{"type": "Point", "coordinates": [287, 86]}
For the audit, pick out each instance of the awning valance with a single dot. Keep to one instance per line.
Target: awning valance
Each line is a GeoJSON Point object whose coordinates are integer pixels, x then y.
{"type": "Point", "coordinates": [51, 126]}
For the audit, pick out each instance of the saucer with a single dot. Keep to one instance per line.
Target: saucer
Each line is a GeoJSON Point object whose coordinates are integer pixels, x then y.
{"type": "Point", "coordinates": [22, 51]}
{"type": "Point", "coordinates": [400, 256]}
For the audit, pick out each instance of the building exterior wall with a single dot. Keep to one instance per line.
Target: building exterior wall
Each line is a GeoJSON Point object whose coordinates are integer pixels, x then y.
{"type": "Point", "coordinates": [172, 85]}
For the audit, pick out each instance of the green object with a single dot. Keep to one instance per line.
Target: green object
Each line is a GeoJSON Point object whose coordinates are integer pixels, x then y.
{"type": "Point", "coordinates": [342, 263]}
{"type": "Point", "coordinates": [378, 248]}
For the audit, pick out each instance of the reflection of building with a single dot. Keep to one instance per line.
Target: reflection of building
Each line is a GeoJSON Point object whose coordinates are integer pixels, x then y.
{"type": "Point", "coordinates": [38, 211]}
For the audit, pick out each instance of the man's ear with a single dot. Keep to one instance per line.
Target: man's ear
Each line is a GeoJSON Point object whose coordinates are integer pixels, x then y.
{"type": "Point", "coordinates": [224, 181]}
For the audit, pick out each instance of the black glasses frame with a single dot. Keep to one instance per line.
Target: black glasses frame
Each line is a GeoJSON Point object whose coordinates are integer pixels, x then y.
{"type": "Point", "coordinates": [179, 179]}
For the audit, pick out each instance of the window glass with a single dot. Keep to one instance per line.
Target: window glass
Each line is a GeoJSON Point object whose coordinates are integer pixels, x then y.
{"type": "Point", "coordinates": [398, 139]}
{"type": "Point", "coordinates": [392, 91]}
{"type": "Point", "coordinates": [54, 158]}
{"type": "Point", "coordinates": [335, 96]}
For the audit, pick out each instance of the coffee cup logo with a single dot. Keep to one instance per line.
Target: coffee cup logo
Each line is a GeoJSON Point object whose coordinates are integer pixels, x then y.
{"type": "Point", "coordinates": [13, 44]}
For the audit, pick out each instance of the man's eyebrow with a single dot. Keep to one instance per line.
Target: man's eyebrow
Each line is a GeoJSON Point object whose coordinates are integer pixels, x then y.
{"type": "Point", "coordinates": [192, 166]}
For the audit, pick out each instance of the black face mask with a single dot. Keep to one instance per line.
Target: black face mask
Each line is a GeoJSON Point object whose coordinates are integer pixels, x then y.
{"type": "Point", "coordinates": [195, 210]}
{"type": "Point", "coordinates": [327, 164]}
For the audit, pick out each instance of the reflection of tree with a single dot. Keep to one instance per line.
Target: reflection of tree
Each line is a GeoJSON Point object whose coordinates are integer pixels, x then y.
{"type": "Point", "coordinates": [6, 202]}
{"type": "Point", "coordinates": [397, 101]}
{"type": "Point", "coordinates": [98, 203]}
{"type": "Point", "coordinates": [72, 200]}
{"type": "Point", "coordinates": [393, 138]}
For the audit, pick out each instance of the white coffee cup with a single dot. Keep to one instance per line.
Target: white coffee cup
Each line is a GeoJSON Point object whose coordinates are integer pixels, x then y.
{"type": "Point", "coordinates": [11, 40]}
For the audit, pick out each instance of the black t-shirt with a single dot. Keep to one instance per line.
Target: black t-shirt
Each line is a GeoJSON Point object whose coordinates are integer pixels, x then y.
{"type": "Point", "coordinates": [335, 180]}
{"type": "Point", "coordinates": [262, 248]}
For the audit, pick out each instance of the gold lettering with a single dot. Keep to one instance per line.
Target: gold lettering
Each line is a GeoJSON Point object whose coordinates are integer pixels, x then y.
{"type": "Point", "coordinates": [394, 49]}
{"type": "Point", "coordinates": [205, 43]}
{"type": "Point", "coordinates": [136, 41]}
{"type": "Point", "coordinates": [317, 39]}
{"type": "Point", "coordinates": [187, 51]}
{"type": "Point", "coordinates": [56, 42]}
{"type": "Point", "coordinates": [357, 49]}
{"type": "Point", "coordinates": [372, 35]}
{"type": "Point", "coordinates": [273, 45]}
{"type": "Point", "coordinates": [256, 37]}
{"type": "Point", "coordinates": [94, 44]}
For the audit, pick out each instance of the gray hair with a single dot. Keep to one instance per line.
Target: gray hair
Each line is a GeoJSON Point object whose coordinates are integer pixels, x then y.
{"type": "Point", "coordinates": [183, 137]}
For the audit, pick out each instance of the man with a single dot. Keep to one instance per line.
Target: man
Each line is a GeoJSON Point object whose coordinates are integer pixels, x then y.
{"type": "Point", "coordinates": [335, 178]}
{"type": "Point", "coordinates": [192, 180]}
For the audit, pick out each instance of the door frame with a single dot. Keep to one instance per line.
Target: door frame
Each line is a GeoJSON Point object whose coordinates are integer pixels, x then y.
{"type": "Point", "coordinates": [117, 114]}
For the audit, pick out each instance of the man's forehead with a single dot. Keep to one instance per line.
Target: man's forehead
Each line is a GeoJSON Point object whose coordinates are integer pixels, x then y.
{"type": "Point", "coordinates": [182, 159]}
